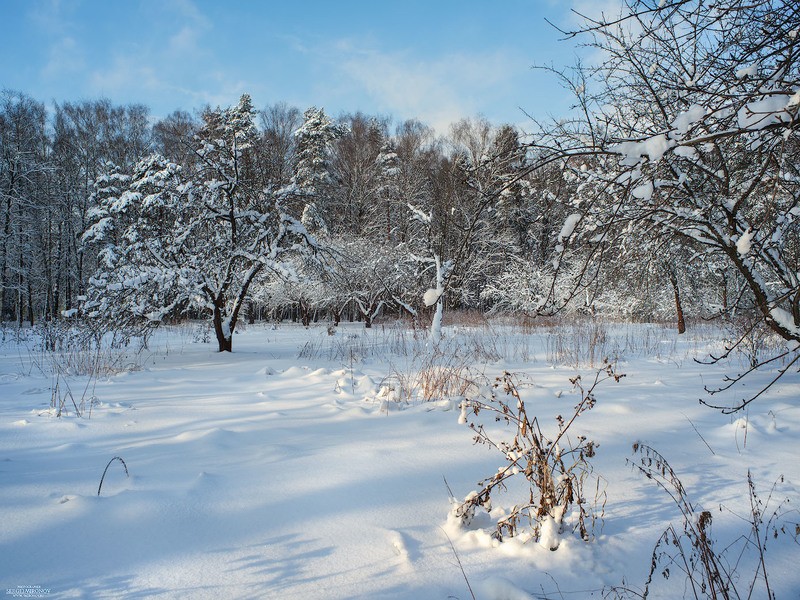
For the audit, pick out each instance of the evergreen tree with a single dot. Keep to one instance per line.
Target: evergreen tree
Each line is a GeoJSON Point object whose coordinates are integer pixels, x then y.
{"type": "Point", "coordinates": [313, 178]}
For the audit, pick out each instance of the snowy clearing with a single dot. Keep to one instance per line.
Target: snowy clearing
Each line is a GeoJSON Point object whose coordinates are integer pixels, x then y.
{"type": "Point", "coordinates": [304, 465]}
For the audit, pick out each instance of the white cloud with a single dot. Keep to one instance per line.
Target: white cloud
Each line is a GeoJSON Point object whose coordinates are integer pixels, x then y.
{"type": "Point", "coordinates": [65, 54]}
{"type": "Point", "coordinates": [123, 76]}
{"type": "Point", "coordinates": [65, 57]}
{"type": "Point", "coordinates": [154, 66]}
{"type": "Point", "coordinates": [129, 79]}
{"type": "Point", "coordinates": [187, 41]}
{"type": "Point", "coordinates": [437, 91]}
{"type": "Point", "coordinates": [184, 41]}
{"type": "Point", "coordinates": [186, 9]}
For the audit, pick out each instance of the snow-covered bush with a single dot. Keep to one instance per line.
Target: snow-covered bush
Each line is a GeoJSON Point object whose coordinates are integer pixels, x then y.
{"type": "Point", "coordinates": [554, 465]}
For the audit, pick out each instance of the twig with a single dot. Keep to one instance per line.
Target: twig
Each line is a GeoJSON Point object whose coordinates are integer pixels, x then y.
{"type": "Point", "coordinates": [701, 435]}
{"type": "Point", "coordinates": [460, 566]}
{"type": "Point", "coordinates": [99, 487]}
{"type": "Point", "coordinates": [449, 491]}
{"type": "Point", "coordinates": [756, 513]}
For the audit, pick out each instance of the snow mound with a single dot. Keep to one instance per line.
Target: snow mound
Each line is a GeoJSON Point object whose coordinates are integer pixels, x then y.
{"type": "Point", "coordinates": [498, 588]}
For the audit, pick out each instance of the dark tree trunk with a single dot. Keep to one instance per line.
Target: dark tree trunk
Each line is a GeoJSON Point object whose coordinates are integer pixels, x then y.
{"type": "Point", "coordinates": [251, 313]}
{"type": "Point", "coordinates": [225, 343]}
{"type": "Point", "coordinates": [673, 279]}
{"type": "Point", "coordinates": [5, 309]}
{"type": "Point", "coordinates": [30, 303]}
{"type": "Point", "coordinates": [20, 311]}
{"type": "Point", "coordinates": [724, 294]}
{"type": "Point", "coordinates": [225, 325]}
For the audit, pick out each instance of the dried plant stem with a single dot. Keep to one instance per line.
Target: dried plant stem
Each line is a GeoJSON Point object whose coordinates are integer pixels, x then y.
{"type": "Point", "coordinates": [691, 549]}
{"type": "Point", "coordinates": [554, 466]}
{"type": "Point", "coordinates": [124, 466]}
{"type": "Point", "coordinates": [460, 566]}
{"type": "Point", "coordinates": [701, 435]}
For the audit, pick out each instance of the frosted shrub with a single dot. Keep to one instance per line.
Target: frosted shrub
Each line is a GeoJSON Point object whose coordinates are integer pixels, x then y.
{"type": "Point", "coordinates": [76, 348]}
{"type": "Point", "coordinates": [584, 343]}
{"type": "Point", "coordinates": [555, 467]}
{"type": "Point", "coordinates": [63, 402]}
{"type": "Point", "coordinates": [202, 333]}
{"type": "Point", "coordinates": [376, 342]}
{"type": "Point", "coordinates": [434, 376]}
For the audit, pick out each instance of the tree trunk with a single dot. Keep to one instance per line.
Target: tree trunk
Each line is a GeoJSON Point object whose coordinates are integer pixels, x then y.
{"type": "Point", "coordinates": [30, 302]}
{"type": "Point", "coordinates": [673, 279]}
{"type": "Point", "coordinates": [20, 312]}
{"type": "Point", "coordinates": [388, 220]}
{"type": "Point", "coordinates": [4, 279]}
{"type": "Point", "coordinates": [436, 323]}
{"type": "Point", "coordinates": [724, 294]}
{"type": "Point", "coordinates": [224, 342]}
{"type": "Point", "coordinates": [251, 313]}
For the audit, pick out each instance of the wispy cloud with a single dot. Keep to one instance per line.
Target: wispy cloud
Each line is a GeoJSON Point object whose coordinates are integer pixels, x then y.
{"type": "Point", "coordinates": [161, 61]}
{"type": "Point", "coordinates": [438, 91]}
{"type": "Point", "coordinates": [124, 74]}
{"type": "Point", "coordinates": [187, 41]}
{"type": "Point", "coordinates": [65, 58]}
{"type": "Point", "coordinates": [180, 54]}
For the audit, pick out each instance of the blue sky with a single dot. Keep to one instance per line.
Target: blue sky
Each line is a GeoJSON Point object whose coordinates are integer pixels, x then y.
{"type": "Point", "coordinates": [436, 60]}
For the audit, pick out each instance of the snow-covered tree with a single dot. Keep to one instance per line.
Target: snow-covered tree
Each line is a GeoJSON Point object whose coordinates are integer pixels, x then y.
{"type": "Point", "coordinates": [355, 206]}
{"type": "Point", "coordinates": [312, 173]}
{"type": "Point", "coordinates": [385, 214]}
{"type": "Point", "coordinates": [23, 170]}
{"type": "Point", "coordinates": [369, 275]}
{"type": "Point", "coordinates": [178, 241]}
{"type": "Point", "coordinates": [692, 120]}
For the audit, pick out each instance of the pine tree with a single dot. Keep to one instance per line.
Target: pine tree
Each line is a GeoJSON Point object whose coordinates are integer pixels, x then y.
{"type": "Point", "coordinates": [312, 173]}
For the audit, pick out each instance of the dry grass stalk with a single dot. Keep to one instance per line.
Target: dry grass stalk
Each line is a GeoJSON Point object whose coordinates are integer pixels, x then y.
{"type": "Point", "coordinates": [555, 467]}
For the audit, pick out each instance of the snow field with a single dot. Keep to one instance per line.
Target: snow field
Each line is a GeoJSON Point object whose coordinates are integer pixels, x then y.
{"type": "Point", "coordinates": [260, 474]}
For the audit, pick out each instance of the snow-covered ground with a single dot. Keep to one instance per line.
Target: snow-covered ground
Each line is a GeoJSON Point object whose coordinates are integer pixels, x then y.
{"type": "Point", "coordinates": [299, 467]}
